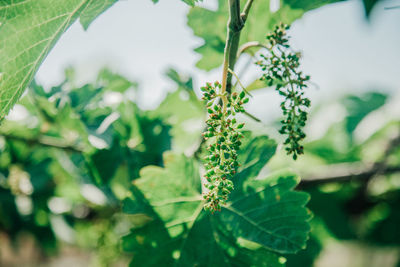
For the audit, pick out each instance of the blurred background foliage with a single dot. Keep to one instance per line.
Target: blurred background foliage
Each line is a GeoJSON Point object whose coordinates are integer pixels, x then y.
{"type": "Point", "coordinates": [69, 156]}
{"type": "Point", "coordinates": [87, 175]}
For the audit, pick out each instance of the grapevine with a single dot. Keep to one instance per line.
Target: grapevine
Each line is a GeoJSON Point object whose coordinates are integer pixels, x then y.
{"type": "Point", "coordinates": [224, 133]}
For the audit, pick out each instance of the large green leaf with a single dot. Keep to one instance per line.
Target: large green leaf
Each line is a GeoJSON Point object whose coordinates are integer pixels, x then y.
{"type": "Point", "coordinates": [28, 31]}
{"type": "Point", "coordinates": [174, 191]}
{"type": "Point", "coordinates": [150, 245]}
{"type": "Point", "coordinates": [258, 151]}
{"type": "Point", "coordinates": [264, 217]}
{"type": "Point", "coordinates": [202, 235]}
{"type": "Point", "coordinates": [271, 215]}
{"type": "Point", "coordinates": [220, 250]}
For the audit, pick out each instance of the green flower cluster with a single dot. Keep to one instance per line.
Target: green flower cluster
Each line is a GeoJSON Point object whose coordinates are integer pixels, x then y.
{"type": "Point", "coordinates": [223, 132]}
{"type": "Point", "coordinates": [281, 68]}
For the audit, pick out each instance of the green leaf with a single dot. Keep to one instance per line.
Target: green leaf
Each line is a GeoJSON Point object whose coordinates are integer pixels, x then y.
{"type": "Point", "coordinates": [211, 27]}
{"type": "Point", "coordinates": [189, 2]}
{"type": "Point", "coordinates": [93, 10]}
{"type": "Point", "coordinates": [220, 250]}
{"type": "Point", "coordinates": [185, 113]}
{"type": "Point", "coordinates": [184, 82]}
{"type": "Point", "coordinates": [174, 191]}
{"type": "Point", "coordinates": [258, 152]}
{"type": "Point", "coordinates": [202, 235]}
{"type": "Point", "coordinates": [149, 240]}
{"type": "Point", "coordinates": [81, 97]}
{"type": "Point", "coordinates": [29, 30]}
{"type": "Point", "coordinates": [306, 257]}
{"type": "Point", "coordinates": [368, 6]}
{"type": "Point", "coordinates": [334, 146]}
{"type": "Point", "coordinates": [114, 82]}
{"type": "Point", "coordinates": [273, 216]}
{"type": "Point", "coordinates": [331, 209]}
{"type": "Point", "coordinates": [107, 162]}
{"type": "Point", "coordinates": [150, 245]}
{"type": "Point", "coordinates": [309, 4]}
{"type": "Point", "coordinates": [265, 216]}
{"type": "Point", "coordinates": [383, 230]}
{"type": "Point", "coordinates": [358, 107]}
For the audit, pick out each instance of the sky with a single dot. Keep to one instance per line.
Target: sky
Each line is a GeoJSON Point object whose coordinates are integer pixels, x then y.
{"type": "Point", "coordinates": [341, 50]}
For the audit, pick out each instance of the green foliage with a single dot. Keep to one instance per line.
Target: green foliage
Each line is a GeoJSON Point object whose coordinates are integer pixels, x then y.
{"type": "Point", "coordinates": [117, 178]}
{"type": "Point", "coordinates": [211, 27]}
{"type": "Point", "coordinates": [360, 106]}
{"type": "Point", "coordinates": [93, 10]}
{"type": "Point", "coordinates": [362, 209]}
{"type": "Point", "coordinates": [186, 125]}
{"type": "Point", "coordinates": [309, 4]}
{"type": "Point", "coordinates": [250, 223]}
{"type": "Point", "coordinates": [369, 5]}
{"type": "Point", "coordinates": [80, 140]}
{"type": "Point", "coordinates": [263, 221]}
{"type": "Point", "coordinates": [70, 141]}
{"type": "Point", "coordinates": [337, 145]}
{"type": "Point", "coordinates": [29, 30]}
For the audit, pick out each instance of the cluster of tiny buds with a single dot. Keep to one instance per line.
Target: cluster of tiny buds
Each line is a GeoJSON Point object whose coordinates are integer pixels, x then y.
{"type": "Point", "coordinates": [223, 133]}
{"type": "Point", "coordinates": [281, 68]}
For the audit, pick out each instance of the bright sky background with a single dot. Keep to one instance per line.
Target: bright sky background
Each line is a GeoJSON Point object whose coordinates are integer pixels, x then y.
{"type": "Point", "coordinates": [140, 40]}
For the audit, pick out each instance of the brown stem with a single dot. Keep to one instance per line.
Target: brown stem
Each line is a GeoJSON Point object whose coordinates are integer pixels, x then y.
{"type": "Point", "coordinates": [346, 176]}
{"type": "Point", "coordinates": [346, 173]}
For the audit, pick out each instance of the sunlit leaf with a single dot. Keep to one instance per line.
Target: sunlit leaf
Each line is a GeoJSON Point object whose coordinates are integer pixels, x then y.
{"type": "Point", "coordinates": [93, 10]}
{"type": "Point", "coordinates": [29, 30]}
{"type": "Point", "coordinates": [273, 216]}
{"type": "Point", "coordinates": [265, 213]}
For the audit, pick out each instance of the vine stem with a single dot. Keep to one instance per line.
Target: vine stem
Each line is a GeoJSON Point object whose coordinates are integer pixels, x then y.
{"type": "Point", "coordinates": [236, 23]}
